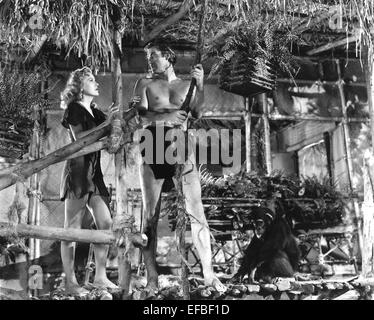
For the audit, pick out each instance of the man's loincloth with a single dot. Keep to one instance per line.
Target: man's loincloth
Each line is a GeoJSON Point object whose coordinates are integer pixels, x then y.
{"type": "Point", "coordinates": [164, 170]}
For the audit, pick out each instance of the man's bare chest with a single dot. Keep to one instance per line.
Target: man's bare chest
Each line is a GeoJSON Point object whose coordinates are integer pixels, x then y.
{"type": "Point", "coordinates": [173, 92]}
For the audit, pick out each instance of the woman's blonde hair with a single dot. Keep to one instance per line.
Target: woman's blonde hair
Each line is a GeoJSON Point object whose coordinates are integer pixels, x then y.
{"type": "Point", "coordinates": [74, 86]}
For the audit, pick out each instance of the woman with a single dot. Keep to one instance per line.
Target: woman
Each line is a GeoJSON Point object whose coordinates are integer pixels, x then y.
{"type": "Point", "coordinates": [82, 180]}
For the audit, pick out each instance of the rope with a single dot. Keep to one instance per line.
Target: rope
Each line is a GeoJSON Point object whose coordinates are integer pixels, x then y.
{"type": "Point", "coordinates": [122, 129]}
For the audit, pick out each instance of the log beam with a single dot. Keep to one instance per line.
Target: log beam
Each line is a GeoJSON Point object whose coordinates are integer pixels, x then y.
{"type": "Point", "coordinates": [72, 235]}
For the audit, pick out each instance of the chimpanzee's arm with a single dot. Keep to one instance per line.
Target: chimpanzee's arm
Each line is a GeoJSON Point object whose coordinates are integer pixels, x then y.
{"type": "Point", "coordinates": [250, 254]}
{"type": "Point", "coordinates": [293, 252]}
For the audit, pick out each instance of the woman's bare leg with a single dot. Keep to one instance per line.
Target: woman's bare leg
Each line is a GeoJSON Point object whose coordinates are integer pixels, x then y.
{"type": "Point", "coordinates": [103, 221]}
{"type": "Point", "coordinates": [74, 211]}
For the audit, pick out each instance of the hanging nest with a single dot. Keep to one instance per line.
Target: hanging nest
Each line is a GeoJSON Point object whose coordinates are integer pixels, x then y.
{"type": "Point", "coordinates": [247, 76]}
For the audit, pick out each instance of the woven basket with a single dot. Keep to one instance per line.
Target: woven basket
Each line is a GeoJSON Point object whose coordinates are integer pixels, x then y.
{"type": "Point", "coordinates": [14, 143]}
{"type": "Point", "coordinates": [247, 76]}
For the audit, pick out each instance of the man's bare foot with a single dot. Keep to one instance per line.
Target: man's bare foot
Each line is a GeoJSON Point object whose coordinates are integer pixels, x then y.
{"type": "Point", "coordinates": [105, 283]}
{"type": "Point", "coordinates": [151, 288]}
{"type": "Point", "coordinates": [75, 289]}
{"type": "Point", "coordinates": [214, 282]}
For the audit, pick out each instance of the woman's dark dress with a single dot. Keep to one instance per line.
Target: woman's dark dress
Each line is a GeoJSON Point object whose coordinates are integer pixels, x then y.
{"type": "Point", "coordinates": [83, 174]}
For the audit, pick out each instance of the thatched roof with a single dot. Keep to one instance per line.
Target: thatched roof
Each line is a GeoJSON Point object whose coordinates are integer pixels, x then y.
{"type": "Point", "coordinates": [85, 27]}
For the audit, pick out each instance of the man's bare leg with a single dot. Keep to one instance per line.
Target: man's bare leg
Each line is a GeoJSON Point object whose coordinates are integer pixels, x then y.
{"type": "Point", "coordinates": [103, 221]}
{"type": "Point", "coordinates": [74, 211]}
{"type": "Point", "coordinates": [199, 227]}
{"type": "Point", "coordinates": [151, 193]}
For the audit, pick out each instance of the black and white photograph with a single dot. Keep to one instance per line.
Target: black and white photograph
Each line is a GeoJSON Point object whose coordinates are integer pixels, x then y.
{"type": "Point", "coordinates": [189, 154]}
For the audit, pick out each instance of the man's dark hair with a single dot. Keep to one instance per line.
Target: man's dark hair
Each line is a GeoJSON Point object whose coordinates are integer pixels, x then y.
{"type": "Point", "coordinates": [165, 50]}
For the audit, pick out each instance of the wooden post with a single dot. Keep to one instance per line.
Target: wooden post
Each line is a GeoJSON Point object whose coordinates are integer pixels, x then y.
{"type": "Point", "coordinates": [247, 119]}
{"type": "Point", "coordinates": [34, 203]}
{"type": "Point", "coordinates": [124, 266]}
{"type": "Point", "coordinates": [265, 109]}
{"type": "Point", "coordinates": [347, 147]}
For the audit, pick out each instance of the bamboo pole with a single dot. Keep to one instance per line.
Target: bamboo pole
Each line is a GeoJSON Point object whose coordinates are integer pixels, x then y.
{"type": "Point", "coordinates": [331, 45]}
{"type": "Point", "coordinates": [347, 145]}
{"type": "Point", "coordinates": [265, 118]}
{"type": "Point", "coordinates": [368, 218]}
{"type": "Point", "coordinates": [34, 187]}
{"type": "Point", "coordinates": [367, 207]}
{"type": "Point", "coordinates": [369, 75]}
{"type": "Point", "coordinates": [247, 119]}
{"type": "Point", "coordinates": [281, 117]}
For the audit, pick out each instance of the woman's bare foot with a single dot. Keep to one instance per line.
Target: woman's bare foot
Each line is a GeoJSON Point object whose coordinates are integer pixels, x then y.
{"type": "Point", "coordinates": [75, 289]}
{"type": "Point", "coordinates": [215, 283]}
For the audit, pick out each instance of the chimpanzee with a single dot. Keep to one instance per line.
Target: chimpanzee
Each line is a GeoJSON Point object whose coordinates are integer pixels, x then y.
{"type": "Point", "coordinates": [273, 250]}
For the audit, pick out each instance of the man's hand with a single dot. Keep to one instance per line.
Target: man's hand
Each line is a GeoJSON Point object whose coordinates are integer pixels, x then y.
{"type": "Point", "coordinates": [197, 72]}
{"type": "Point", "coordinates": [113, 112]}
{"type": "Point", "coordinates": [175, 118]}
{"type": "Point", "coordinates": [134, 101]}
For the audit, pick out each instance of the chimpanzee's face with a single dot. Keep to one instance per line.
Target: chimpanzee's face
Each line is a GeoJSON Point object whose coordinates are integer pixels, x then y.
{"type": "Point", "coordinates": [259, 227]}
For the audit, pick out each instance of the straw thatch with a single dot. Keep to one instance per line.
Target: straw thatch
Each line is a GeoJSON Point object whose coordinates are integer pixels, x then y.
{"type": "Point", "coordinates": [85, 27]}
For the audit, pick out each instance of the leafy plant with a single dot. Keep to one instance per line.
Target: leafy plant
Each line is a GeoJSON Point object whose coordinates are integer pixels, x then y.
{"type": "Point", "coordinates": [262, 40]}
{"type": "Point", "coordinates": [20, 95]}
{"type": "Point", "coordinates": [306, 201]}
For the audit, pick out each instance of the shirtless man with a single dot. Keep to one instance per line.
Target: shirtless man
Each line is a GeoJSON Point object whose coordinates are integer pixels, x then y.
{"type": "Point", "coordinates": [160, 100]}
